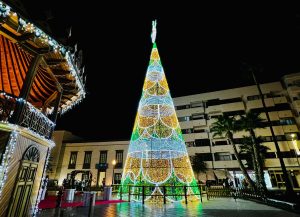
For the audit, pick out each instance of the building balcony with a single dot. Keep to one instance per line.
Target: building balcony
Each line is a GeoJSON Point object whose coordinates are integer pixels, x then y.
{"type": "Point", "coordinates": [294, 88]}
{"type": "Point", "coordinates": [30, 117]}
{"type": "Point", "coordinates": [289, 162]}
{"type": "Point", "coordinates": [226, 164]}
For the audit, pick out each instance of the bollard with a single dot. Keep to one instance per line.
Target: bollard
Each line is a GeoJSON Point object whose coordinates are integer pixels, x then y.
{"type": "Point", "coordinates": [207, 196]}
{"type": "Point", "coordinates": [129, 193]}
{"type": "Point", "coordinates": [121, 192]}
{"type": "Point", "coordinates": [61, 213]}
{"type": "Point", "coordinates": [164, 189]}
{"type": "Point", "coordinates": [185, 196]}
{"type": "Point", "coordinates": [91, 205]}
{"type": "Point", "coordinates": [200, 193]}
{"type": "Point", "coordinates": [143, 192]}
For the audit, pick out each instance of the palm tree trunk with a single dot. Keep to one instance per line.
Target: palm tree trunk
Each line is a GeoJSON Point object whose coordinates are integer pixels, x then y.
{"type": "Point", "coordinates": [254, 164]}
{"type": "Point", "coordinates": [260, 173]}
{"type": "Point", "coordinates": [242, 167]}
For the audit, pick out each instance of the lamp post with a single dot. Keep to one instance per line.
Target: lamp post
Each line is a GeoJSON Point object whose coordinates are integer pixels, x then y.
{"type": "Point", "coordinates": [113, 174]}
{"type": "Point", "coordinates": [296, 149]}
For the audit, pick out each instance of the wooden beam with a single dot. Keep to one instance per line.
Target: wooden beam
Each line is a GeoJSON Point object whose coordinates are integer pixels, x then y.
{"type": "Point", "coordinates": [68, 88]}
{"type": "Point", "coordinates": [56, 106]}
{"type": "Point", "coordinates": [26, 88]}
{"type": "Point", "coordinates": [26, 36]}
{"type": "Point", "coordinates": [52, 61]}
{"type": "Point", "coordinates": [26, 46]}
{"type": "Point", "coordinates": [63, 80]}
{"type": "Point", "coordinates": [60, 72]}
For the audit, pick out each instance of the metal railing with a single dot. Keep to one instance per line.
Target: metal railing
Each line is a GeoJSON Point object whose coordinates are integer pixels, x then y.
{"type": "Point", "coordinates": [36, 120]}
{"type": "Point", "coordinates": [30, 118]}
{"type": "Point", "coordinates": [243, 193]}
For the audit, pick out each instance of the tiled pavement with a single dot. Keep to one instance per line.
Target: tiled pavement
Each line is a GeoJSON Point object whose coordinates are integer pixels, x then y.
{"type": "Point", "coordinates": [219, 207]}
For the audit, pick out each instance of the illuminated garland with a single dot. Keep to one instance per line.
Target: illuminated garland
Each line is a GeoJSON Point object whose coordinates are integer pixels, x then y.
{"type": "Point", "coordinates": [157, 154]}
{"type": "Point", "coordinates": [9, 150]}
{"type": "Point", "coordinates": [36, 207]}
{"type": "Point", "coordinates": [26, 26]}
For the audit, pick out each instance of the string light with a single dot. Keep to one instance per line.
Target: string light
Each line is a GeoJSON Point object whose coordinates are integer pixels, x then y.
{"type": "Point", "coordinates": [157, 153]}
{"type": "Point", "coordinates": [9, 150]}
{"type": "Point", "coordinates": [38, 200]}
{"type": "Point", "coordinates": [4, 9]}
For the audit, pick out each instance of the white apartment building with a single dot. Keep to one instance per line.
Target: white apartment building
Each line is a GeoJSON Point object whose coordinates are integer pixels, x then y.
{"type": "Point", "coordinates": [196, 113]}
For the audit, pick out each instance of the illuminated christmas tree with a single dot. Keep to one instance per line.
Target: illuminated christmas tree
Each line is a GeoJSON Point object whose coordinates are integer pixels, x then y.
{"type": "Point", "coordinates": [157, 154]}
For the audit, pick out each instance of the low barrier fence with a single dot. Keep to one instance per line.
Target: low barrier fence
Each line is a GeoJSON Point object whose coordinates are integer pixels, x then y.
{"type": "Point", "coordinates": [142, 192]}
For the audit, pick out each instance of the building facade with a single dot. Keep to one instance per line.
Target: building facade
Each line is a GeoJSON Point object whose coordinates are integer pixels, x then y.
{"type": "Point", "coordinates": [97, 157]}
{"type": "Point", "coordinates": [196, 113]}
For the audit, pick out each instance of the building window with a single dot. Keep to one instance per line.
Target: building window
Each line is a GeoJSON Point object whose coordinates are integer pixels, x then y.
{"type": "Point", "coordinates": [73, 158]}
{"type": "Point", "coordinates": [232, 100]}
{"type": "Point", "coordinates": [205, 156]}
{"type": "Point", "coordinates": [199, 130]}
{"type": "Point", "coordinates": [238, 140]}
{"type": "Point", "coordinates": [181, 107]}
{"type": "Point", "coordinates": [196, 104]}
{"type": "Point", "coordinates": [182, 119]}
{"type": "Point", "coordinates": [202, 142]}
{"type": "Point", "coordinates": [215, 116]}
{"type": "Point", "coordinates": [118, 177]}
{"type": "Point", "coordinates": [254, 97]}
{"type": "Point", "coordinates": [187, 131]}
{"type": "Point", "coordinates": [223, 156]}
{"type": "Point", "coordinates": [282, 106]}
{"type": "Point", "coordinates": [287, 121]}
{"type": "Point", "coordinates": [287, 154]}
{"type": "Point", "coordinates": [190, 144]}
{"type": "Point", "coordinates": [212, 102]}
{"type": "Point", "coordinates": [119, 159]}
{"type": "Point", "coordinates": [270, 155]}
{"type": "Point", "coordinates": [292, 136]}
{"type": "Point", "coordinates": [87, 160]}
{"type": "Point", "coordinates": [198, 116]}
{"type": "Point", "coordinates": [103, 157]}
{"type": "Point", "coordinates": [233, 113]}
{"type": "Point", "coordinates": [222, 142]}
{"type": "Point", "coordinates": [279, 138]}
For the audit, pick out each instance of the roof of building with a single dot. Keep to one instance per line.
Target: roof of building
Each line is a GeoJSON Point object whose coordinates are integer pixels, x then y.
{"type": "Point", "coordinates": [20, 42]}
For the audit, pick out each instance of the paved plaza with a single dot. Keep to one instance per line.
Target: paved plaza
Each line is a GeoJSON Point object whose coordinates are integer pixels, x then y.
{"type": "Point", "coordinates": [219, 207]}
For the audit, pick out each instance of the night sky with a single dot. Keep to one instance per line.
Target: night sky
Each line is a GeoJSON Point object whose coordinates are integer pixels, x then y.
{"type": "Point", "coordinates": [202, 48]}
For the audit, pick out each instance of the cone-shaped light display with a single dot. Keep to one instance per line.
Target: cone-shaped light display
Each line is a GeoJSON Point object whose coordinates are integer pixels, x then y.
{"type": "Point", "coordinates": [157, 154]}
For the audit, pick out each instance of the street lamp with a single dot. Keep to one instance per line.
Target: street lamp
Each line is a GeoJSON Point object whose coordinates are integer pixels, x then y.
{"type": "Point", "coordinates": [296, 148]}
{"type": "Point", "coordinates": [114, 162]}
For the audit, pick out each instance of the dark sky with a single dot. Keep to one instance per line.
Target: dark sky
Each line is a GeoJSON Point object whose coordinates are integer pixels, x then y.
{"type": "Point", "coordinates": [202, 48]}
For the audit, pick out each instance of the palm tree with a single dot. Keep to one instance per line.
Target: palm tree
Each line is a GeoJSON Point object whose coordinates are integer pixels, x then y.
{"type": "Point", "coordinates": [246, 149]}
{"type": "Point", "coordinates": [198, 164]}
{"type": "Point", "coordinates": [250, 121]}
{"type": "Point", "coordinates": [227, 125]}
